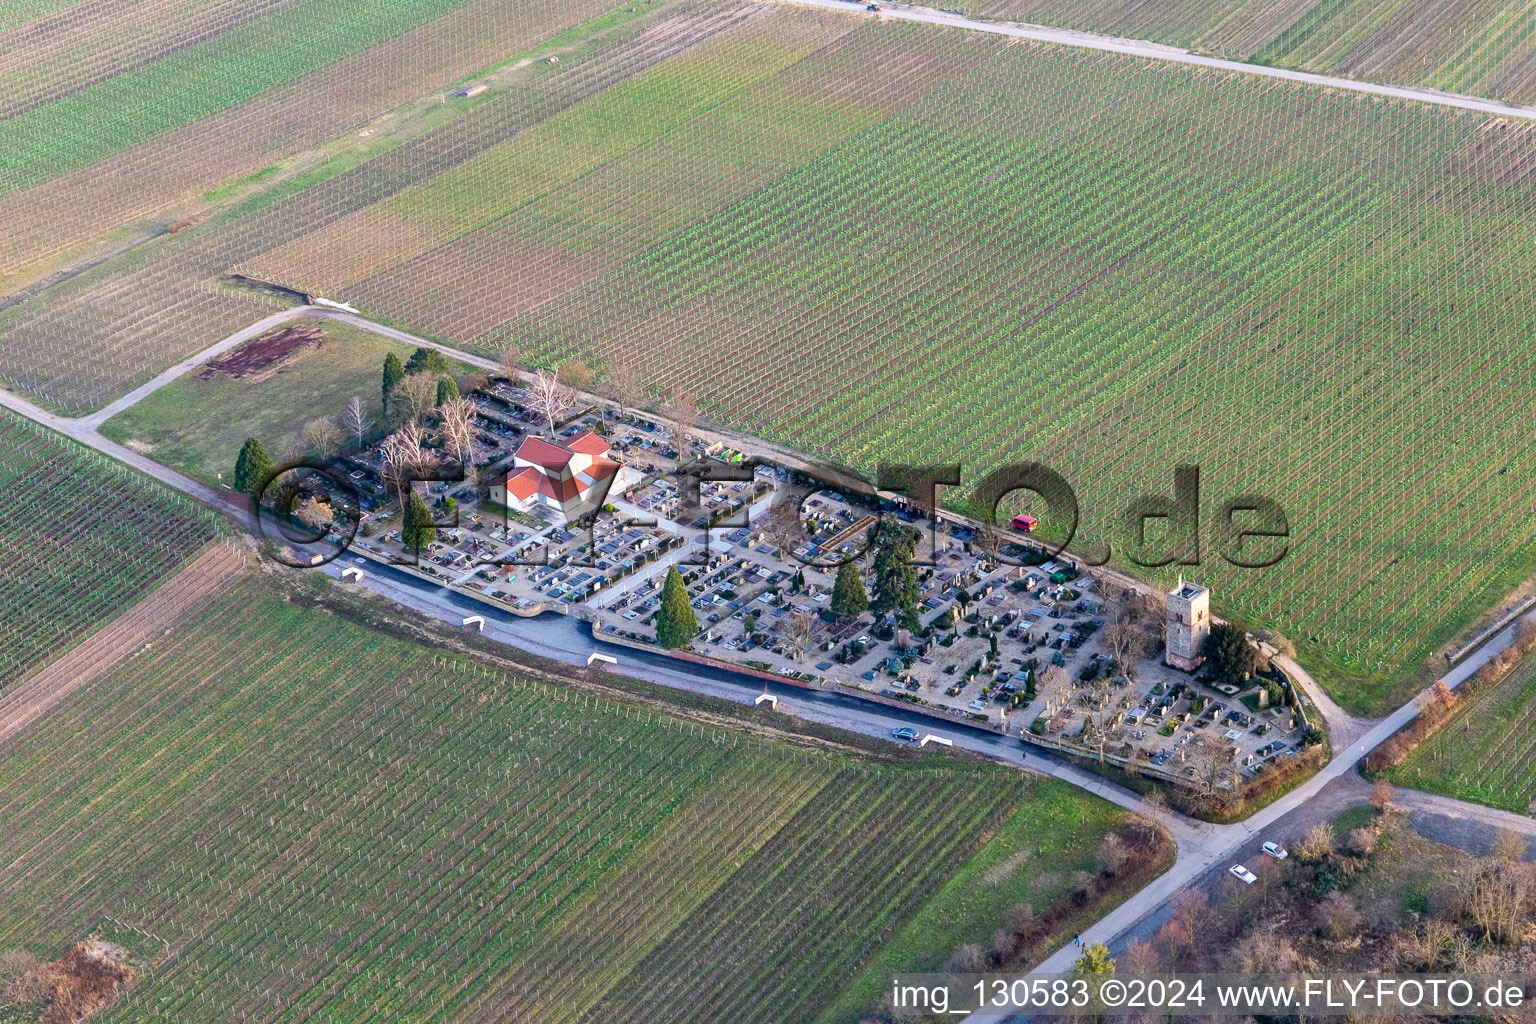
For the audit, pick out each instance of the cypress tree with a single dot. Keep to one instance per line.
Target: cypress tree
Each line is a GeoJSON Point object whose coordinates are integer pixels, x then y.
{"type": "Point", "coordinates": [675, 622]}
{"type": "Point", "coordinates": [252, 467]}
{"type": "Point", "coordinates": [447, 390]}
{"type": "Point", "coordinates": [848, 595]}
{"type": "Point", "coordinates": [394, 373]}
{"type": "Point", "coordinates": [895, 578]}
{"type": "Point", "coordinates": [417, 530]}
{"type": "Point", "coordinates": [427, 360]}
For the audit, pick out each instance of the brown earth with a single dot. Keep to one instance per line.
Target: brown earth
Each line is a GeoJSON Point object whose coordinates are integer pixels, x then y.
{"type": "Point", "coordinates": [266, 353]}
{"type": "Point", "coordinates": [84, 980]}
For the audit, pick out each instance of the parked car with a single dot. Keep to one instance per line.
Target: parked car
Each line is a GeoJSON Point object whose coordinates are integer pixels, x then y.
{"type": "Point", "coordinates": [1243, 874]}
{"type": "Point", "coordinates": [904, 734]}
{"type": "Point", "coordinates": [1276, 851]}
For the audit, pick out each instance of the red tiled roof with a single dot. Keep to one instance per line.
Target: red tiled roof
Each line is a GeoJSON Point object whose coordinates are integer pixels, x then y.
{"type": "Point", "coordinates": [544, 453]}
{"type": "Point", "coordinates": [601, 469]}
{"type": "Point", "coordinates": [588, 444]}
{"type": "Point", "coordinates": [523, 483]}
{"type": "Point", "coordinates": [561, 490]}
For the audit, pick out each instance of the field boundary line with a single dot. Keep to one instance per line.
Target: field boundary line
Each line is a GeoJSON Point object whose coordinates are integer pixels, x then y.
{"type": "Point", "coordinates": [1178, 55]}
{"type": "Point", "coordinates": [27, 701]}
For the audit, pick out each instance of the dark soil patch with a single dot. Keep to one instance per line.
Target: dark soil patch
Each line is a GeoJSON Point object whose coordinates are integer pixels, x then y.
{"type": "Point", "coordinates": [265, 353]}
{"type": "Point", "coordinates": [84, 980]}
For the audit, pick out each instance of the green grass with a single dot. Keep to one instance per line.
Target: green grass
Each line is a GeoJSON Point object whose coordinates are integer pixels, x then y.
{"type": "Point", "coordinates": [197, 426]}
{"type": "Point", "coordinates": [1031, 859]}
{"type": "Point", "coordinates": [1199, 295]}
{"type": "Point", "coordinates": [1355, 817]}
{"type": "Point", "coordinates": [81, 538]}
{"type": "Point", "coordinates": [195, 82]}
{"type": "Point", "coordinates": [984, 257]}
{"type": "Point", "coordinates": [1486, 752]}
{"type": "Point", "coordinates": [324, 821]}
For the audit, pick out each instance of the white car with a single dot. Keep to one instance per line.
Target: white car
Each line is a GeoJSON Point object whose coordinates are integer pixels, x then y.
{"type": "Point", "coordinates": [1276, 851]}
{"type": "Point", "coordinates": [1243, 874]}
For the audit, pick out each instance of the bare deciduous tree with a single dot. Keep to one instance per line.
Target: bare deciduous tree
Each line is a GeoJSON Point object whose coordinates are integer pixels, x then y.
{"type": "Point", "coordinates": [402, 453]}
{"type": "Point", "coordinates": [1496, 901]}
{"type": "Point", "coordinates": [1105, 698]}
{"type": "Point", "coordinates": [457, 424]}
{"type": "Point", "coordinates": [316, 514]}
{"type": "Point", "coordinates": [1141, 957]}
{"type": "Point", "coordinates": [549, 398]}
{"type": "Point", "coordinates": [799, 632]}
{"type": "Point", "coordinates": [1211, 759]}
{"type": "Point", "coordinates": [968, 959]}
{"type": "Point", "coordinates": [323, 436]}
{"type": "Point", "coordinates": [783, 529]}
{"type": "Point", "coordinates": [576, 375]}
{"type": "Point", "coordinates": [683, 411]}
{"type": "Point", "coordinates": [22, 978]}
{"type": "Point", "coordinates": [623, 385]}
{"type": "Point", "coordinates": [1056, 686]}
{"type": "Point", "coordinates": [1125, 641]}
{"type": "Point", "coordinates": [1337, 917]}
{"type": "Point", "coordinates": [1111, 857]}
{"type": "Point", "coordinates": [1193, 914]}
{"type": "Point", "coordinates": [1510, 846]}
{"type": "Point", "coordinates": [510, 361]}
{"type": "Point", "coordinates": [1316, 846]}
{"type": "Point", "coordinates": [356, 421]}
{"type": "Point", "coordinates": [413, 397]}
{"type": "Point", "coordinates": [1267, 953]}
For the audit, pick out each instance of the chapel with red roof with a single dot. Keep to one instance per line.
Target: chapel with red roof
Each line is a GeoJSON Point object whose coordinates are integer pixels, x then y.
{"type": "Point", "coordinates": [569, 479]}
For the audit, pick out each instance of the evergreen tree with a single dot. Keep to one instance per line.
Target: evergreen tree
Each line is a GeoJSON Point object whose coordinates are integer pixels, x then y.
{"type": "Point", "coordinates": [427, 360]}
{"type": "Point", "coordinates": [1230, 653]}
{"type": "Point", "coordinates": [848, 596]}
{"type": "Point", "coordinates": [447, 390]}
{"type": "Point", "coordinates": [417, 530]}
{"type": "Point", "coordinates": [1095, 959]}
{"type": "Point", "coordinates": [252, 467]}
{"type": "Point", "coordinates": [394, 373]}
{"type": "Point", "coordinates": [675, 622]}
{"type": "Point", "coordinates": [895, 578]}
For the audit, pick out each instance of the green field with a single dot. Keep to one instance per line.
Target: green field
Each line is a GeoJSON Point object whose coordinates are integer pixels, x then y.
{"type": "Point", "coordinates": [82, 538]}
{"type": "Point", "coordinates": [313, 820]}
{"type": "Point", "coordinates": [885, 242]}
{"type": "Point", "coordinates": [1486, 752]}
{"type": "Point", "coordinates": [197, 423]}
{"type": "Point", "coordinates": [195, 82]}
{"type": "Point", "coordinates": [1130, 258]}
{"type": "Point", "coordinates": [1477, 47]}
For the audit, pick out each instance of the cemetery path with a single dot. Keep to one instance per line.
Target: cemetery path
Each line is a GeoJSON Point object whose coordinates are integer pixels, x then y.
{"type": "Point", "coordinates": [1202, 848]}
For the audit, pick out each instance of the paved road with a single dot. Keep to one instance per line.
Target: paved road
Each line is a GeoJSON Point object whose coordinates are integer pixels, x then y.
{"type": "Point", "coordinates": [1178, 55]}
{"type": "Point", "coordinates": [1202, 847]}
{"type": "Point", "coordinates": [1272, 819]}
{"type": "Point", "coordinates": [564, 638]}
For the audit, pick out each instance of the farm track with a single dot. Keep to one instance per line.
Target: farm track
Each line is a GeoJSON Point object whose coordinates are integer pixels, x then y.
{"type": "Point", "coordinates": [174, 599]}
{"type": "Point", "coordinates": [1203, 848]}
{"type": "Point", "coordinates": [142, 308]}
{"type": "Point", "coordinates": [353, 826]}
{"type": "Point", "coordinates": [1163, 52]}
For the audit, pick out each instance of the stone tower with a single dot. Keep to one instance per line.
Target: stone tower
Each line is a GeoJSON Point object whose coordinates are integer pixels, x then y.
{"type": "Point", "coordinates": [1188, 624]}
